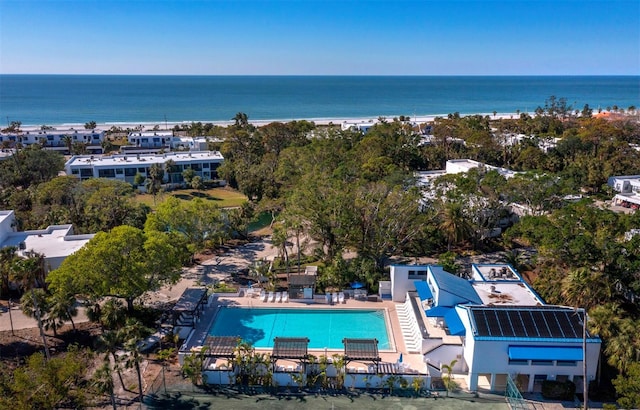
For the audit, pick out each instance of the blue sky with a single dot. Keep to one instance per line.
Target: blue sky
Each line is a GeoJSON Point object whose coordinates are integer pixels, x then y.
{"type": "Point", "coordinates": [574, 37]}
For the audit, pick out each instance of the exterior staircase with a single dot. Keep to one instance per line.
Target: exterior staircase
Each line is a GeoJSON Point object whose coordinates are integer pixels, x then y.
{"type": "Point", "coordinates": [409, 326]}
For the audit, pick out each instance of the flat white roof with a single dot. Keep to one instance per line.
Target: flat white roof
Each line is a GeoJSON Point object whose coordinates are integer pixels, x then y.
{"type": "Point", "coordinates": [143, 159]}
{"type": "Point", "coordinates": [158, 133]}
{"type": "Point", "coordinates": [500, 284]}
{"type": "Point", "coordinates": [506, 293]}
{"type": "Point", "coordinates": [55, 241]}
{"type": "Point", "coordinates": [55, 131]}
{"type": "Point", "coordinates": [6, 153]}
{"type": "Point", "coordinates": [633, 198]}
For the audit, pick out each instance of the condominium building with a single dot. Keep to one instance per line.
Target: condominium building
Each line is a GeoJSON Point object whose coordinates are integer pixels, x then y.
{"type": "Point", "coordinates": [59, 139]}
{"type": "Point", "coordinates": [125, 167]}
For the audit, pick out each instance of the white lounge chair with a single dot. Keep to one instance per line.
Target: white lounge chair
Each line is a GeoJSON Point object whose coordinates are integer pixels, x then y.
{"type": "Point", "coordinates": [278, 297]}
{"type": "Point", "coordinates": [285, 296]}
{"type": "Point", "coordinates": [335, 297]}
{"type": "Point", "coordinates": [341, 297]}
{"type": "Point", "coordinates": [271, 296]}
{"type": "Point", "coordinates": [263, 296]}
{"type": "Point", "coordinates": [327, 296]}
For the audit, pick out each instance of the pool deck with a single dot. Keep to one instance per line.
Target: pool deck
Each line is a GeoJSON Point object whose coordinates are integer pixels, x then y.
{"type": "Point", "coordinates": [412, 363]}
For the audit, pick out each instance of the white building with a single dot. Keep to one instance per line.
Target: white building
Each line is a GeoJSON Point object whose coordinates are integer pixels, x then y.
{"type": "Point", "coordinates": [125, 167]}
{"type": "Point", "coordinates": [628, 188]}
{"type": "Point", "coordinates": [6, 153]}
{"type": "Point", "coordinates": [363, 127]}
{"type": "Point", "coordinates": [55, 139]}
{"type": "Point", "coordinates": [493, 324]}
{"type": "Point", "coordinates": [457, 166]}
{"type": "Point", "coordinates": [56, 242]}
{"type": "Point", "coordinates": [151, 139]}
{"type": "Point", "coordinates": [165, 140]}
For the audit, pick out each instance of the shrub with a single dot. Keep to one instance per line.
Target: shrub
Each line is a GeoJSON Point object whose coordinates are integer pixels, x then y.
{"type": "Point", "coordinates": [556, 390]}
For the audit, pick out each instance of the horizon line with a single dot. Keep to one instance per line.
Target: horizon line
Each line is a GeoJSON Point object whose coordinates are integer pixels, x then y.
{"type": "Point", "coordinates": [320, 75]}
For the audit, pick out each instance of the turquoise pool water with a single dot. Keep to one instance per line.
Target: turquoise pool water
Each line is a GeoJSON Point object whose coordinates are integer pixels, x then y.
{"type": "Point", "coordinates": [323, 327]}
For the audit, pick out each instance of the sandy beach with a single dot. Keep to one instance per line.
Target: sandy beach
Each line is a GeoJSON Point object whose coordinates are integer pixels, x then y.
{"type": "Point", "coordinates": [148, 126]}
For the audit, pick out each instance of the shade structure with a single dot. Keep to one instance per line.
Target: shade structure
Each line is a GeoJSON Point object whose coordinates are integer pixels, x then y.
{"type": "Point", "coordinates": [423, 290]}
{"type": "Point", "coordinates": [438, 311]}
{"type": "Point", "coordinates": [454, 323]}
{"type": "Point", "coordinates": [569, 353]}
{"type": "Point", "coordinates": [357, 285]}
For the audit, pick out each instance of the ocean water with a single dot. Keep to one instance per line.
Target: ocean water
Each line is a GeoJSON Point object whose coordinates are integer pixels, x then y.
{"type": "Point", "coordinates": [62, 99]}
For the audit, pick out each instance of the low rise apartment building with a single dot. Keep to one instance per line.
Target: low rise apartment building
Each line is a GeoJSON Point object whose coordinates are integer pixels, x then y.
{"type": "Point", "coordinates": [59, 139]}
{"type": "Point", "coordinates": [125, 167]}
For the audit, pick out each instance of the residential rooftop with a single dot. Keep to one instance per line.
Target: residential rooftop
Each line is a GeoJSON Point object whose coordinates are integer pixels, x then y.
{"type": "Point", "coordinates": [123, 159]}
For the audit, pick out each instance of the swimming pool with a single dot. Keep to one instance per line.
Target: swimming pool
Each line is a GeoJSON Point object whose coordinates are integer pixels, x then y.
{"type": "Point", "coordinates": [323, 327]}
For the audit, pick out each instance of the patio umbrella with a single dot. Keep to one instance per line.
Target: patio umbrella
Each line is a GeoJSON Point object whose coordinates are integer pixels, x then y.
{"type": "Point", "coordinates": [357, 285]}
{"type": "Point", "coordinates": [400, 358]}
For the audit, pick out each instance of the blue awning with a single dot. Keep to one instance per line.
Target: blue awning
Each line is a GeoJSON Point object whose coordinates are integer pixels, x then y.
{"type": "Point", "coordinates": [423, 290]}
{"type": "Point", "coordinates": [438, 311]}
{"type": "Point", "coordinates": [545, 353]}
{"type": "Point", "coordinates": [454, 323]}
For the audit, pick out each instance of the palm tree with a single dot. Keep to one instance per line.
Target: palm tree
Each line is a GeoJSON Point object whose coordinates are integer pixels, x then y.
{"type": "Point", "coordinates": [102, 381]}
{"type": "Point", "coordinates": [133, 333]}
{"type": "Point", "coordinates": [169, 168]}
{"type": "Point", "coordinates": [515, 258]}
{"type": "Point", "coordinates": [449, 384]}
{"type": "Point", "coordinates": [241, 119]}
{"type": "Point", "coordinates": [68, 142]}
{"type": "Point", "coordinates": [624, 347]}
{"type": "Point", "coordinates": [27, 272]}
{"type": "Point", "coordinates": [7, 258]}
{"type": "Point", "coordinates": [454, 224]}
{"type": "Point", "coordinates": [154, 182]}
{"type": "Point", "coordinates": [133, 361]}
{"type": "Point", "coordinates": [193, 364]}
{"type": "Point", "coordinates": [62, 307]}
{"type": "Point", "coordinates": [112, 314]}
{"type": "Point", "coordinates": [585, 288]}
{"type": "Point", "coordinates": [602, 321]}
{"type": "Point", "coordinates": [110, 342]}
{"type": "Point", "coordinates": [163, 357]}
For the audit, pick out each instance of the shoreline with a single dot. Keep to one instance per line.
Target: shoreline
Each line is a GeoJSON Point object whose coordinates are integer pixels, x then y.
{"type": "Point", "coordinates": [168, 125]}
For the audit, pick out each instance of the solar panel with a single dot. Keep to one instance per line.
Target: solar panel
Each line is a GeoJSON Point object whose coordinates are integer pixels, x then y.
{"type": "Point", "coordinates": [540, 323]}
{"type": "Point", "coordinates": [505, 322]}
{"type": "Point", "coordinates": [494, 324]}
{"type": "Point", "coordinates": [531, 322]}
{"type": "Point", "coordinates": [554, 326]}
{"type": "Point", "coordinates": [481, 322]}
{"type": "Point", "coordinates": [518, 326]}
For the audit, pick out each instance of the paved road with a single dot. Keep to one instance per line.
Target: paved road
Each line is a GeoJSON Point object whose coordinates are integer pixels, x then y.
{"type": "Point", "coordinates": [22, 321]}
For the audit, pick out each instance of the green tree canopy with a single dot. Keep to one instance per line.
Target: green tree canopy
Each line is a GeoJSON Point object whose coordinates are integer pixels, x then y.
{"type": "Point", "coordinates": [30, 166]}
{"type": "Point", "coordinates": [198, 221]}
{"type": "Point", "coordinates": [123, 263]}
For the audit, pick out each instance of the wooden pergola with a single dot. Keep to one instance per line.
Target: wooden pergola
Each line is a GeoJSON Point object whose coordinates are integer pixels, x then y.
{"type": "Point", "coordinates": [290, 348]}
{"type": "Point", "coordinates": [361, 350]}
{"type": "Point", "coordinates": [191, 303]}
{"type": "Point", "coordinates": [219, 347]}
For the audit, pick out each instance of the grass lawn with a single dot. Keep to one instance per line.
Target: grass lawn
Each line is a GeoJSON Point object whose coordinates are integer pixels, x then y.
{"type": "Point", "coordinates": [223, 197]}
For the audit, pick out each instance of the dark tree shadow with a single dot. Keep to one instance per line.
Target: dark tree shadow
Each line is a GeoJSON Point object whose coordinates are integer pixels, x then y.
{"type": "Point", "coordinates": [174, 401]}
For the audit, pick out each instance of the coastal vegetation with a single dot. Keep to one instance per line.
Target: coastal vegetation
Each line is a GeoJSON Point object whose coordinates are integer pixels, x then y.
{"type": "Point", "coordinates": [351, 203]}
